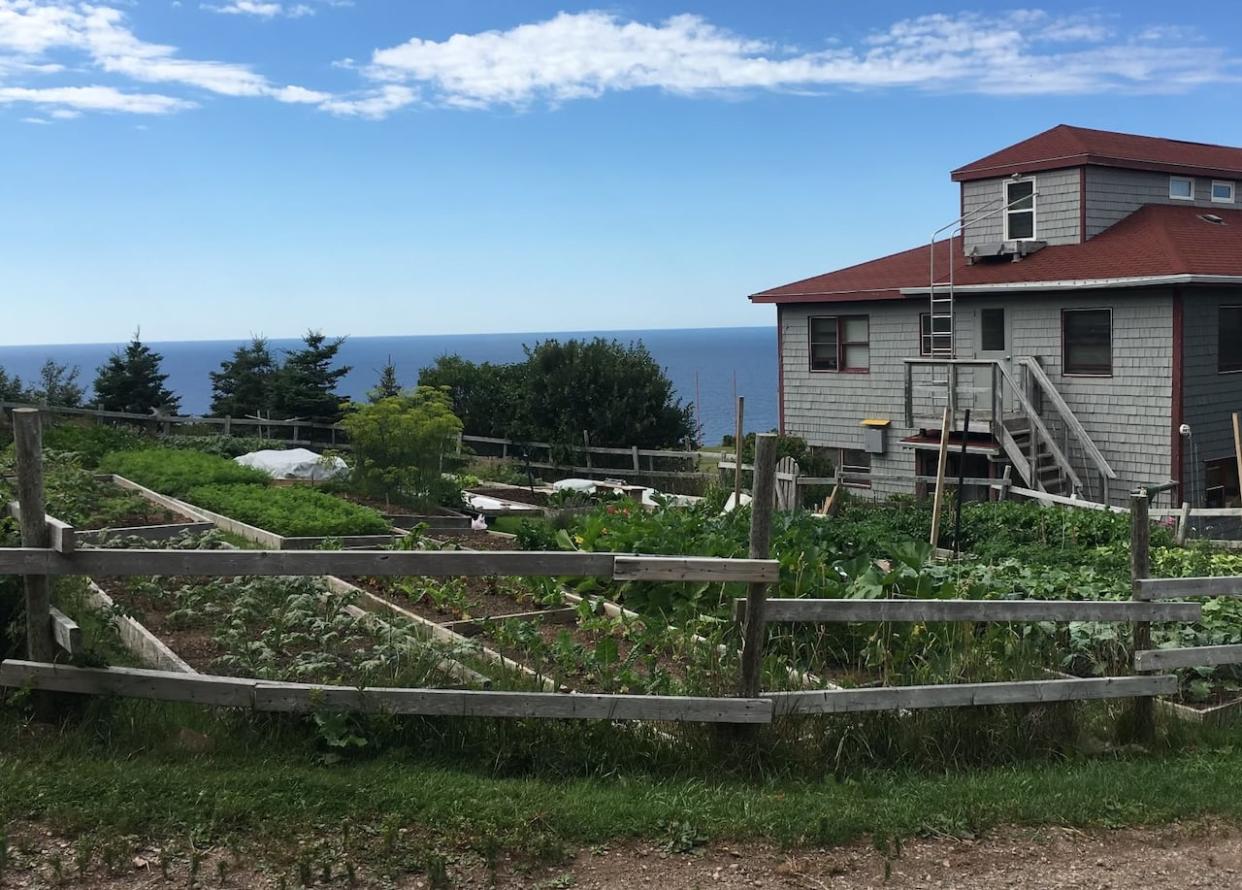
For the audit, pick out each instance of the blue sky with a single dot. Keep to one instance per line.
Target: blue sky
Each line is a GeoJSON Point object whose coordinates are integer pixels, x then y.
{"type": "Point", "coordinates": [225, 167]}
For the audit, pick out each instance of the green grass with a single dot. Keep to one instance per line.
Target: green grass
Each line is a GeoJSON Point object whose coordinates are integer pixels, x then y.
{"type": "Point", "coordinates": [102, 779]}
{"type": "Point", "coordinates": [174, 471]}
{"type": "Point", "coordinates": [293, 511]}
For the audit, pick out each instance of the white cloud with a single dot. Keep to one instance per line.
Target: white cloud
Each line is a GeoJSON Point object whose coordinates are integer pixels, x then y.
{"type": "Point", "coordinates": [587, 54]}
{"type": "Point", "coordinates": [267, 9]}
{"type": "Point", "coordinates": [31, 30]}
{"type": "Point", "coordinates": [93, 98]}
{"type": "Point", "coordinates": [374, 105]}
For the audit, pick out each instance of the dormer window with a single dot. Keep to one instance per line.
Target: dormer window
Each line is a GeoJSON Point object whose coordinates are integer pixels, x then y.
{"type": "Point", "coordinates": [1222, 192]}
{"type": "Point", "coordinates": [1019, 209]}
{"type": "Point", "coordinates": [1181, 188]}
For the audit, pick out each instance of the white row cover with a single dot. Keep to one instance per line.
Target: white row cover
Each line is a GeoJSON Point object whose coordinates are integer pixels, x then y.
{"type": "Point", "coordinates": [294, 463]}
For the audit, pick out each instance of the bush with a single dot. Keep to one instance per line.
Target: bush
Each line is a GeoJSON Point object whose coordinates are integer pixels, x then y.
{"type": "Point", "coordinates": [292, 511]}
{"type": "Point", "coordinates": [400, 444]}
{"type": "Point", "coordinates": [174, 472]}
{"type": "Point", "coordinates": [221, 446]}
{"type": "Point", "coordinates": [91, 441]}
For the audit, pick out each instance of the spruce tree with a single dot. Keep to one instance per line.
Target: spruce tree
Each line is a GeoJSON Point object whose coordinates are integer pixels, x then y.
{"type": "Point", "coordinates": [131, 381]}
{"type": "Point", "coordinates": [11, 388]}
{"type": "Point", "coordinates": [58, 386]}
{"type": "Point", "coordinates": [388, 385]}
{"type": "Point", "coordinates": [305, 385]}
{"type": "Point", "coordinates": [243, 385]}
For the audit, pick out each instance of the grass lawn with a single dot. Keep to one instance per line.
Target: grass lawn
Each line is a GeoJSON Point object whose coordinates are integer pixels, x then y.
{"type": "Point", "coordinates": [161, 772]}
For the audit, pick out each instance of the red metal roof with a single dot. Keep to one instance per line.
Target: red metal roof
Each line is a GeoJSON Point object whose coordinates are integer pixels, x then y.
{"type": "Point", "coordinates": [1156, 240]}
{"type": "Point", "coordinates": [1066, 146]}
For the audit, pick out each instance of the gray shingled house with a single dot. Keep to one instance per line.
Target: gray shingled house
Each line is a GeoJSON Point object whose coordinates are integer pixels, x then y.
{"type": "Point", "coordinates": [1086, 309]}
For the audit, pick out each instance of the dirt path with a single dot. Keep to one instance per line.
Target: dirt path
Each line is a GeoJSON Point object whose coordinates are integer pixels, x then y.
{"type": "Point", "coordinates": [1047, 859]}
{"type": "Point", "coordinates": [1188, 856]}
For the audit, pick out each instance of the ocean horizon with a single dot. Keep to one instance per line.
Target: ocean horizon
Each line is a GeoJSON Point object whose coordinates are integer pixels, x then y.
{"type": "Point", "coordinates": [706, 365]}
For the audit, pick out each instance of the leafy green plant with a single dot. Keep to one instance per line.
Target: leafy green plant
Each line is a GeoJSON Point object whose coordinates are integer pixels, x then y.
{"type": "Point", "coordinates": [293, 511]}
{"type": "Point", "coordinates": [174, 472]}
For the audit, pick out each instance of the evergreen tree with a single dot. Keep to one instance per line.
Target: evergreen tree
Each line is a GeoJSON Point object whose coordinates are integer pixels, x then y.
{"type": "Point", "coordinates": [131, 381]}
{"type": "Point", "coordinates": [58, 386]}
{"type": "Point", "coordinates": [11, 388]}
{"type": "Point", "coordinates": [305, 385]}
{"type": "Point", "coordinates": [387, 386]}
{"type": "Point", "coordinates": [243, 385]}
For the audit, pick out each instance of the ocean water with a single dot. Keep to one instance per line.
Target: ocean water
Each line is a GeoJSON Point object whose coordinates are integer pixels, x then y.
{"type": "Point", "coordinates": [705, 365]}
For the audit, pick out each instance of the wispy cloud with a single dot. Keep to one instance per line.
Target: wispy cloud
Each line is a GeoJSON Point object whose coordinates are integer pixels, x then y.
{"type": "Point", "coordinates": [587, 54]}
{"type": "Point", "coordinates": [263, 9]}
{"type": "Point", "coordinates": [30, 31]}
{"type": "Point", "coordinates": [75, 56]}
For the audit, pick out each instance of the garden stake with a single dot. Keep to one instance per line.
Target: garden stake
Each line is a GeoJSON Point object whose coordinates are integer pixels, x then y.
{"type": "Point", "coordinates": [961, 482]}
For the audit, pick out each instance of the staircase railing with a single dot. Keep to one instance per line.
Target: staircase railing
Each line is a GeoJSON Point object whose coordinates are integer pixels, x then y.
{"type": "Point", "coordinates": [1002, 390]}
{"type": "Point", "coordinates": [1071, 422]}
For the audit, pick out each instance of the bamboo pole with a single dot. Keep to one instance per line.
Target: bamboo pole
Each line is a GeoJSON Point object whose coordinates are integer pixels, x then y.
{"type": "Point", "coordinates": [737, 447]}
{"type": "Point", "coordinates": [762, 492]}
{"type": "Point", "coordinates": [942, 461]}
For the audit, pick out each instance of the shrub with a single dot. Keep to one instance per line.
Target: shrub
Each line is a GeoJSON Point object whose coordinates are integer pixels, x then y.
{"type": "Point", "coordinates": [399, 447]}
{"type": "Point", "coordinates": [174, 472]}
{"type": "Point", "coordinates": [293, 511]}
{"type": "Point", "coordinates": [91, 441]}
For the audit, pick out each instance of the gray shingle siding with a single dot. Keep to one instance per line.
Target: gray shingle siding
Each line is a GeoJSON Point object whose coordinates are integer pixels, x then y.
{"type": "Point", "coordinates": [1113, 194]}
{"type": "Point", "coordinates": [1209, 398]}
{"type": "Point", "coordinates": [1127, 414]}
{"type": "Point", "coordinates": [1057, 215]}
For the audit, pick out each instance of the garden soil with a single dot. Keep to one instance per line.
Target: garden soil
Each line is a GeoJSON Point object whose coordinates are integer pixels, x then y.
{"type": "Point", "coordinates": [1206, 855]}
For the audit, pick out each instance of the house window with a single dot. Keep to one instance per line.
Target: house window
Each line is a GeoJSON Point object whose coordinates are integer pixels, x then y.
{"type": "Point", "coordinates": [1220, 480]}
{"type": "Point", "coordinates": [1222, 192]}
{"type": "Point", "coordinates": [941, 342]}
{"type": "Point", "coordinates": [1181, 188]}
{"type": "Point", "coordinates": [1229, 339]}
{"type": "Point", "coordinates": [824, 344]}
{"type": "Point", "coordinates": [992, 330]}
{"type": "Point", "coordinates": [855, 467]}
{"type": "Point", "coordinates": [1087, 341]}
{"type": "Point", "coordinates": [1019, 209]}
{"type": "Point", "coordinates": [840, 343]}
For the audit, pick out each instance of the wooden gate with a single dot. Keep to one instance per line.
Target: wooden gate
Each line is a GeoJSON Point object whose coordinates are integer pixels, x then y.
{"type": "Point", "coordinates": [787, 472]}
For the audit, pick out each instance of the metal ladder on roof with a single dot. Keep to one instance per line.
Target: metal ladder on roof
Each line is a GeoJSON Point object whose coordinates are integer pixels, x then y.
{"type": "Point", "coordinates": [940, 321]}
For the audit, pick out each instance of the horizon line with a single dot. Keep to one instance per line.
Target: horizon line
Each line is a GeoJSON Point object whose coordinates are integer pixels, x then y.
{"type": "Point", "coordinates": [596, 331]}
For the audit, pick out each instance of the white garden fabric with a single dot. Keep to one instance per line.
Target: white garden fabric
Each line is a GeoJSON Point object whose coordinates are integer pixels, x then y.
{"type": "Point", "coordinates": [293, 463]}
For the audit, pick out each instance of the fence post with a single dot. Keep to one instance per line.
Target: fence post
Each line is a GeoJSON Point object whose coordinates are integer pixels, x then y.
{"type": "Point", "coordinates": [586, 447]}
{"type": "Point", "coordinates": [754, 630]}
{"type": "Point", "coordinates": [28, 444]}
{"type": "Point", "coordinates": [634, 453]}
{"type": "Point", "coordinates": [737, 448]}
{"type": "Point", "coordinates": [1140, 567]}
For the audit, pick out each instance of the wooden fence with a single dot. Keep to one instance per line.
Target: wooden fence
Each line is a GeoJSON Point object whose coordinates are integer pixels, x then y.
{"type": "Point", "coordinates": [44, 555]}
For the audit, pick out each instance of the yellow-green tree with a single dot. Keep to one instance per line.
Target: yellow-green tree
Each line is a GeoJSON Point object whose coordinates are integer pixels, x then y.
{"type": "Point", "coordinates": [399, 446]}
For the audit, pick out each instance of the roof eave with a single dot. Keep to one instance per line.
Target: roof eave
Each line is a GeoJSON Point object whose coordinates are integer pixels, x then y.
{"type": "Point", "coordinates": [970, 174]}
{"type": "Point", "coordinates": [1083, 284]}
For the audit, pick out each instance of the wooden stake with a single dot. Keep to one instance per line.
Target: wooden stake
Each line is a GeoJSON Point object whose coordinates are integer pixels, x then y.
{"type": "Point", "coordinates": [961, 484]}
{"type": "Point", "coordinates": [941, 462]}
{"type": "Point", "coordinates": [1183, 525]}
{"type": "Point", "coordinates": [28, 443]}
{"type": "Point", "coordinates": [1140, 567]}
{"type": "Point", "coordinates": [737, 447]}
{"type": "Point", "coordinates": [1237, 448]}
{"type": "Point", "coordinates": [763, 493]}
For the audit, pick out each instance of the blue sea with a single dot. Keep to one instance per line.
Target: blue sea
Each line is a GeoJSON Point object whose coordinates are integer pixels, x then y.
{"type": "Point", "coordinates": [705, 365]}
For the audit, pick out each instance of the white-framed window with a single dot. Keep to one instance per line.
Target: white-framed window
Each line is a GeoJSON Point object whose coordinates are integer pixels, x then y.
{"type": "Point", "coordinates": [840, 343]}
{"type": "Point", "coordinates": [1222, 191]}
{"type": "Point", "coordinates": [1181, 188]}
{"type": "Point", "coordinates": [1019, 209]}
